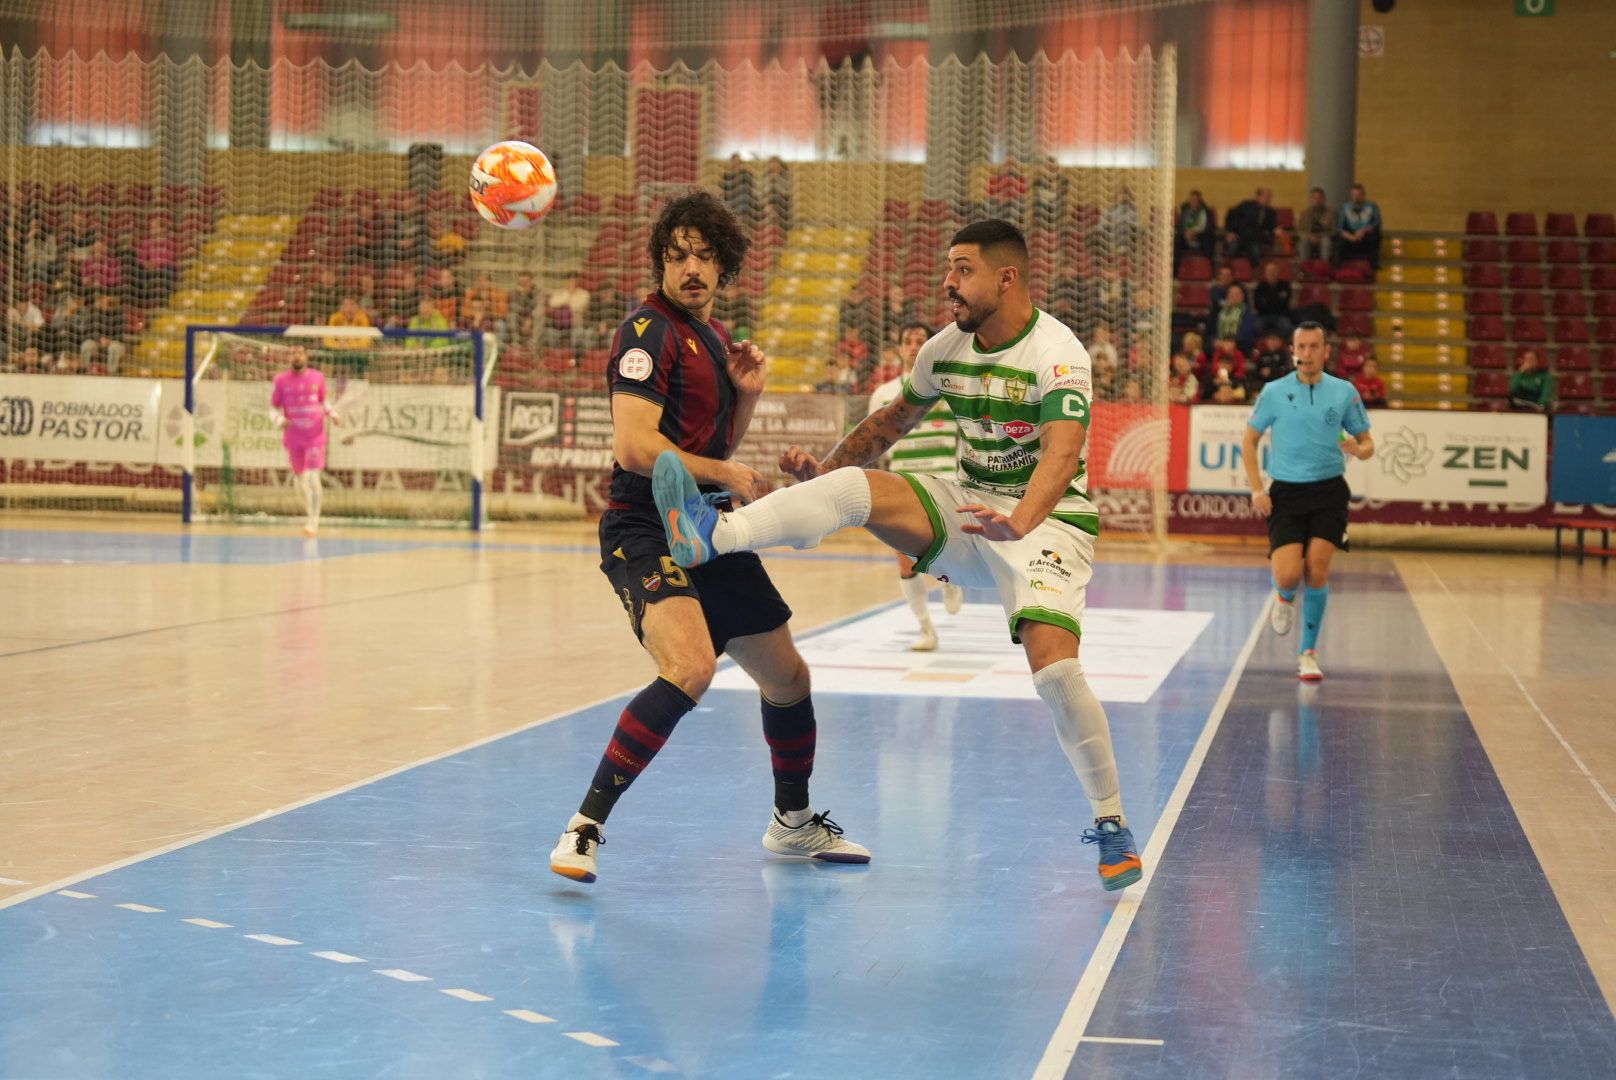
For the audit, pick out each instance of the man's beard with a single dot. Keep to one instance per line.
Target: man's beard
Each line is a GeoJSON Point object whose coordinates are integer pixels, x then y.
{"type": "Point", "coordinates": [970, 319]}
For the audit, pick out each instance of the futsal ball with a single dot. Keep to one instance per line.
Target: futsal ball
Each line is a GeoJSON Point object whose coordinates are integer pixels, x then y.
{"type": "Point", "coordinates": [513, 184]}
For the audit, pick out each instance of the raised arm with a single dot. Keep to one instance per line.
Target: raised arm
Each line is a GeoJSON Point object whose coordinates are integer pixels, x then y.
{"type": "Point", "coordinates": [865, 444]}
{"type": "Point", "coordinates": [637, 441]}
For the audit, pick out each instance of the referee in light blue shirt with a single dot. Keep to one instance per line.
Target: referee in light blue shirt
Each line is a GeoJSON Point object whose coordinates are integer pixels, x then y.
{"type": "Point", "coordinates": [1315, 419]}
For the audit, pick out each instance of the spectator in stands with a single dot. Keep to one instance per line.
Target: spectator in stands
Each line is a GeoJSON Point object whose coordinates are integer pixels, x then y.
{"type": "Point", "coordinates": [448, 246]}
{"type": "Point", "coordinates": [777, 199]}
{"type": "Point", "coordinates": [1359, 226]}
{"type": "Point", "coordinates": [1273, 362]}
{"type": "Point", "coordinates": [1315, 229]}
{"type": "Point", "coordinates": [1105, 368]}
{"type": "Point", "coordinates": [476, 316]}
{"type": "Point", "coordinates": [1112, 301]}
{"type": "Point", "coordinates": [69, 327]}
{"type": "Point", "coordinates": [370, 238]}
{"type": "Point", "coordinates": [859, 312]}
{"type": "Point", "coordinates": [1119, 225]}
{"type": "Point", "coordinates": [1183, 388]}
{"type": "Point", "coordinates": [1370, 386]}
{"type": "Point", "coordinates": [1235, 319]}
{"type": "Point", "coordinates": [1192, 345]}
{"type": "Point", "coordinates": [524, 302]}
{"type": "Point", "coordinates": [324, 295]}
{"type": "Point", "coordinates": [445, 293]}
{"type": "Point", "coordinates": [25, 324]}
{"type": "Point", "coordinates": [77, 241]}
{"type": "Point", "coordinates": [1350, 356]}
{"type": "Point", "coordinates": [1531, 388]}
{"type": "Point", "coordinates": [1226, 357]}
{"type": "Point", "coordinates": [1226, 388]}
{"type": "Point", "coordinates": [1101, 349]}
{"type": "Point", "coordinates": [852, 358]}
{"type": "Point", "coordinates": [1219, 291]}
{"type": "Point", "coordinates": [1248, 231]}
{"type": "Point", "coordinates": [427, 317]}
{"type": "Point", "coordinates": [101, 271]}
{"type": "Point", "coordinates": [1272, 299]}
{"type": "Point", "coordinates": [1133, 392]}
{"type": "Point", "coordinates": [1049, 195]}
{"type": "Point", "coordinates": [567, 307]}
{"type": "Point", "coordinates": [739, 189]}
{"type": "Point", "coordinates": [41, 256]}
{"type": "Point", "coordinates": [105, 329]}
{"type": "Point", "coordinates": [157, 263]}
{"type": "Point", "coordinates": [348, 313]}
{"type": "Point", "coordinates": [408, 232]}
{"type": "Point", "coordinates": [401, 294]}
{"type": "Point", "coordinates": [898, 311]}
{"type": "Point", "coordinates": [1197, 229]}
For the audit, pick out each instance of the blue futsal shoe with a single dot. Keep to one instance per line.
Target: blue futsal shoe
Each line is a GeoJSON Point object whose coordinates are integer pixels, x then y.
{"type": "Point", "coordinates": [687, 515]}
{"type": "Point", "coordinates": [1119, 856]}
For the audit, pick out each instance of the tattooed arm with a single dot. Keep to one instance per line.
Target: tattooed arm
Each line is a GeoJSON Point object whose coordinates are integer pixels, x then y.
{"type": "Point", "coordinates": [861, 446]}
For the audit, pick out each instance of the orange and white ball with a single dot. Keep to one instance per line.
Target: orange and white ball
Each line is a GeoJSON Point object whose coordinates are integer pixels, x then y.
{"type": "Point", "coordinates": [513, 184]}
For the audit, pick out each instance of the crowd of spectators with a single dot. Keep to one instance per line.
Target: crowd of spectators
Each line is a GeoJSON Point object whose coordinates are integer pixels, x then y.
{"type": "Point", "coordinates": [79, 291]}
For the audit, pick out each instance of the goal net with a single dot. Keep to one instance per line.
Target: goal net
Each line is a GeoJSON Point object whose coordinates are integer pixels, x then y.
{"type": "Point", "coordinates": [262, 194]}
{"type": "Point", "coordinates": [406, 441]}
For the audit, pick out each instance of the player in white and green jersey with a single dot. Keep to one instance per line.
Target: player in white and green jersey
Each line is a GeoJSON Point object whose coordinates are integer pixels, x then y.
{"type": "Point", "coordinates": [931, 449]}
{"type": "Point", "coordinates": [1016, 518]}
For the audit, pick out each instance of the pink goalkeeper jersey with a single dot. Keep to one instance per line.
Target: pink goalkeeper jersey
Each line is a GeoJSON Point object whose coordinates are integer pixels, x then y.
{"type": "Point", "coordinates": [302, 398]}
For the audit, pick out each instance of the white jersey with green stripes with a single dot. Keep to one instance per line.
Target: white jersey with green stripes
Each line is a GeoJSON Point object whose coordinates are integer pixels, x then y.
{"type": "Point", "coordinates": [932, 448]}
{"type": "Point", "coordinates": [1001, 400]}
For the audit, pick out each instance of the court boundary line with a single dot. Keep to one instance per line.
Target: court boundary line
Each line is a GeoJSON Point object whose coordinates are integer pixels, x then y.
{"type": "Point", "coordinates": [220, 830]}
{"type": "Point", "coordinates": [1072, 1030]}
{"type": "Point", "coordinates": [1571, 752]}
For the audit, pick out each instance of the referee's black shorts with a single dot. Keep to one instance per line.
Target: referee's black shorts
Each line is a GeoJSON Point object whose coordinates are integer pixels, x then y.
{"type": "Point", "coordinates": [1303, 511]}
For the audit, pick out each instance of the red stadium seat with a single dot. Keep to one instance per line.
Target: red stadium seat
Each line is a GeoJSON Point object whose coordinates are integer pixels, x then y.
{"type": "Point", "coordinates": [1570, 331]}
{"type": "Point", "coordinates": [1192, 296]}
{"type": "Point", "coordinates": [1573, 358]}
{"type": "Point", "coordinates": [1311, 295]}
{"type": "Point", "coordinates": [1599, 225]}
{"type": "Point", "coordinates": [1285, 218]}
{"type": "Point", "coordinates": [1484, 276]}
{"type": "Point", "coordinates": [1483, 250]}
{"type": "Point", "coordinates": [1607, 388]}
{"type": "Point", "coordinates": [1528, 329]}
{"type": "Point", "coordinates": [1525, 250]}
{"type": "Point", "coordinates": [1602, 252]}
{"type": "Point", "coordinates": [1195, 268]}
{"type": "Point", "coordinates": [1481, 223]}
{"type": "Point", "coordinates": [895, 210]}
{"type": "Point", "coordinates": [1520, 223]}
{"type": "Point", "coordinates": [1317, 270]}
{"type": "Point", "coordinates": [1575, 387]}
{"type": "Point", "coordinates": [1484, 302]}
{"type": "Point", "coordinates": [1605, 331]}
{"type": "Point", "coordinates": [1570, 305]}
{"type": "Point", "coordinates": [1485, 328]}
{"type": "Point", "coordinates": [1560, 225]}
{"type": "Point", "coordinates": [1526, 276]}
{"type": "Point", "coordinates": [1355, 300]}
{"type": "Point", "coordinates": [1602, 278]}
{"type": "Point", "coordinates": [1526, 303]}
{"type": "Point", "coordinates": [1607, 358]}
{"type": "Point", "coordinates": [1286, 267]}
{"type": "Point", "coordinates": [1241, 267]}
{"type": "Point", "coordinates": [1357, 271]}
{"type": "Point", "coordinates": [1356, 324]}
{"type": "Point", "coordinates": [1564, 252]}
{"type": "Point", "coordinates": [1565, 277]}
{"type": "Point", "coordinates": [1488, 356]}
{"type": "Point", "coordinates": [557, 360]}
{"type": "Point", "coordinates": [1490, 384]}
{"type": "Point", "coordinates": [1604, 305]}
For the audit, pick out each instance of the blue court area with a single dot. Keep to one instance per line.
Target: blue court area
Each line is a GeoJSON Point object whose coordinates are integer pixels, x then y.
{"type": "Point", "coordinates": [1345, 894]}
{"type": "Point", "coordinates": [50, 547]}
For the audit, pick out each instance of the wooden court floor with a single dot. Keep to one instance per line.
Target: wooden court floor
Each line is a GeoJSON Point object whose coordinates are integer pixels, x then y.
{"type": "Point", "coordinates": [154, 697]}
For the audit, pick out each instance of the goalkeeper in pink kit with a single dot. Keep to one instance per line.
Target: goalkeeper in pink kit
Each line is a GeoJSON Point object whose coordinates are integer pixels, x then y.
{"type": "Point", "coordinates": [299, 397]}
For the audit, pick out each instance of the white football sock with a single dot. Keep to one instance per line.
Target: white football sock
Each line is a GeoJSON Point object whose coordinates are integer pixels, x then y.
{"type": "Point", "coordinates": [315, 493]}
{"type": "Point", "coordinates": [799, 516]}
{"type": "Point", "coordinates": [915, 590]}
{"type": "Point", "coordinates": [301, 483]}
{"type": "Point", "coordinates": [1084, 733]}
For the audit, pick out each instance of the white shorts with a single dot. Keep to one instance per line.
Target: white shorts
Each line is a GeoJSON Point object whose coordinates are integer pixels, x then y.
{"type": "Point", "coordinates": [1042, 577]}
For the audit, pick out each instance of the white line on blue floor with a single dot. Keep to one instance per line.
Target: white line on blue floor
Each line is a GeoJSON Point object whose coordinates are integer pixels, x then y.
{"type": "Point", "coordinates": [1073, 1026]}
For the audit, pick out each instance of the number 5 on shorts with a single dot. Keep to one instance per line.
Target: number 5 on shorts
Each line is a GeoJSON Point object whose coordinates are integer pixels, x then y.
{"type": "Point", "coordinates": [674, 574]}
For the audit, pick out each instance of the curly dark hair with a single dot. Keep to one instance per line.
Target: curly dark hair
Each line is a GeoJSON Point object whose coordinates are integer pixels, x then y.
{"type": "Point", "coordinates": [707, 214]}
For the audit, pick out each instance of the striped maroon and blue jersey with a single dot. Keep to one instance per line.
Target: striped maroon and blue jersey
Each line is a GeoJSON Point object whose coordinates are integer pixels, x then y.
{"type": "Point", "coordinates": [665, 356]}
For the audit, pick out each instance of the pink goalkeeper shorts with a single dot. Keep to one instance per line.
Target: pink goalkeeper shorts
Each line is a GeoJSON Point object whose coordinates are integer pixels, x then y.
{"type": "Point", "coordinates": [306, 458]}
